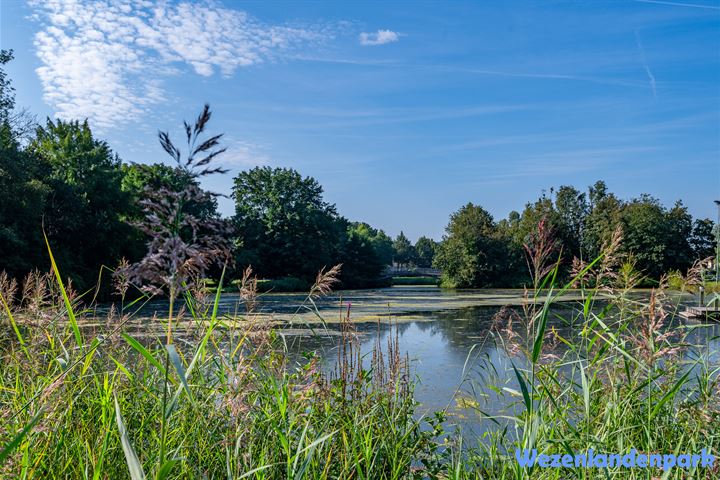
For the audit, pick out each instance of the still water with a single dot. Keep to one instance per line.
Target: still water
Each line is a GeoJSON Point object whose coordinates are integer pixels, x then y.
{"type": "Point", "coordinates": [447, 337]}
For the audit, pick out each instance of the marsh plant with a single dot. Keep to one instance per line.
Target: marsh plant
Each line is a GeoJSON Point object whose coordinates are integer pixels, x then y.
{"type": "Point", "coordinates": [226, 400]}
{"type": "Point", "coordinates": [182, 244]}
{"type": "Point", "coordinates": [628, 377]}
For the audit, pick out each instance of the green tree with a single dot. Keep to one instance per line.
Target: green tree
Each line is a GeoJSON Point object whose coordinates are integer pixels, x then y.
{"type": "Point", "coordinates": [284, 226]}
{"type": "Point", "coordinates": [678, 234]}
{"type": "Point", "coordinates": [602, 219]}
{"type": "Point", "coordinates": [138, 178]}
{"type": "Point", "coordinates": [644, 234]}
{"type": "Point", "coordinates": [572, 209]}
{"type": "Point", "coordinates": [380, 241]}
{"type": "Point", "coordinates": [404, 252]}
{"type": "Point", "coordinates": [424, 252]}
{"type": "Point", "coordinates": [702, 240]}
{"type": "Point", "coordinates": [83, 214]}
{"type": "Point", "coordinates": [22, 203]}
{"type": "Point", "coordinates": [362, 265]}
{"type": "Point", "coordinates": [471, 253]}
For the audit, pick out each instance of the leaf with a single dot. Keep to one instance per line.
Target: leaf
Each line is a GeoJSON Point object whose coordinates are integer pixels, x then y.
{"type": "Point", "coordinates": [523, 387]}
{"type": "Point", "coordinates": [136, 471]}
{"type": "Point", "coordinates": [66, 299]}
{"type": "Point", "coordinates": [144, 352]}
{"type": "Point", "coordinates": [12, 445]}
{"type": "Point", "coordinates": [177, 363]}
{"type": "Point", "coordinates": [586, 391]}
{"type": "Point", "coordinates": [164, 471]}
{"type": "Point", "coordinates": [540, 335]}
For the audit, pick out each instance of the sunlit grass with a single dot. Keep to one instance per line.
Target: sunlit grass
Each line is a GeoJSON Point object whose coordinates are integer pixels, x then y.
{"type": "Point", "coordinates": [223, 400]}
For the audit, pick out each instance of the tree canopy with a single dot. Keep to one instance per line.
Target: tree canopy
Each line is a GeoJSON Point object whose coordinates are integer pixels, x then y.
{"type": "Point", "coordinates": [64, 181]}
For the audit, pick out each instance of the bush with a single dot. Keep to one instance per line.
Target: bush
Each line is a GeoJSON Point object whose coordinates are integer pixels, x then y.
{"type": "Point", "coordinates": [415, 281]}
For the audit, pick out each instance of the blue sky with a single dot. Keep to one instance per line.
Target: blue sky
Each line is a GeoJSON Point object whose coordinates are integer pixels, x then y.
{"type": "Point", "coordinates": [404, 111]}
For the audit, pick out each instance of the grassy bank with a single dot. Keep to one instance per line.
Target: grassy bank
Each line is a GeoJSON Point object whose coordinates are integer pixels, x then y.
{"type": "Point", "coordinates": [227, 403]}
{"type": "Point", "coordinates": [431, 281]}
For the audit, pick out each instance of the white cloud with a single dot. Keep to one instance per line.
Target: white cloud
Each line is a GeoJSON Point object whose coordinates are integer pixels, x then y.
{"type": "Point", "coordinates": [105, 60]}
{"type": "Point", "coordinates": [243, 154]}
{"type": "Point", "coordinates": [381, 37]}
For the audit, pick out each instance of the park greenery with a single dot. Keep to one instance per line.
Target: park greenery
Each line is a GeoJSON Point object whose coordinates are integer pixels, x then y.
{"type": "Point", "coordinates": [222, 399]}
{"type": "Point", "coordinates": [477, 251]}
{"type": "Point", "coordinates": [87, 392]}
{"type": "Point", "coordinates": [58, 179]}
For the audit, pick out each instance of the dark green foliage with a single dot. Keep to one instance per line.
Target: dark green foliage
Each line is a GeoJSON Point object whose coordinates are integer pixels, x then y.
{"type": "Point", "coordinates": [284, 225]}
{"type": "Point", "coordinates": [381, 242]}
{"type": "Point", "coordinates": [678, 233]}
{"type": "Point", "coordinates": [472, 253]}
{"type": "Point", "coordinates": [140, 178]}
{"type": "Point", "coordinates": [702, 240]}
{"type": "Point", "coordinates": [137, 177]}
{"type": "Point", "coordinates": [362, 266]}
{"type": "Point", "coordinates": [285, 228]}
{"type": "Point", "coordinates": [643, 229]}
{"type": "Point", "coordinates": [602, 220]}
{"type": "Point", "coordinates": [572, 209]}
{"type": "Point", "coordinates": [22, 203]}
{"type": "Point", "coordinates": [657, 238]}
{"type": "Point", "coordinates": [83, 214]}
{"type": "Point", "coordinates": [424, 252]}
{"type": "Point", "coordinates": [404, 251]}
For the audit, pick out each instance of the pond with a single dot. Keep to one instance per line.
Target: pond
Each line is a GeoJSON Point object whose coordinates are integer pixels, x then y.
{"type": "Point", "coordinates": [445, 333]}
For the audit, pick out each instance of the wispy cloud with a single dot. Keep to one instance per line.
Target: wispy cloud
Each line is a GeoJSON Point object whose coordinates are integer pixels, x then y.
{"type": "Point", "coordinates": [381, 37]}
{"type": "Point", "coordinates": [680, 4]}
{"type": "Point", "coordinates": [643, 58]}
{"type": "Point", "coordinates": [106, 60]}
{"type": "Point", "coordinates": [243, 154]}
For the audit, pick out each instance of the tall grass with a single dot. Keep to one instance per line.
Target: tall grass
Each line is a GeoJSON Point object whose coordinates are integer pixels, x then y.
{"type": "Point", "coordinates": [627, 378]}
{"type": "Point", "coordinates": [230, 403]}
{"type": "Point", "coordinates": [221, 397]}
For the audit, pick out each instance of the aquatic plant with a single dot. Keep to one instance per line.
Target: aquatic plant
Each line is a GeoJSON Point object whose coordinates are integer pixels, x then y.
{"type": "Point", "coordinates": [223, 397]}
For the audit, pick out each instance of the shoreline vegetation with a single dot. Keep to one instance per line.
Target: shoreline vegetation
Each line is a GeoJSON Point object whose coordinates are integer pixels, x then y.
{"type": "Point", "coordinates": [224, 399]}
{"type": "Point", "coordinates": [106, 405]}
{"type": "Point", "coordinates": [58, 179]}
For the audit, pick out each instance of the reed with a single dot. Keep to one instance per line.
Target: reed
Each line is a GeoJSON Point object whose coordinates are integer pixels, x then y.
{"type": "Point", "coordinates": [224, 399]}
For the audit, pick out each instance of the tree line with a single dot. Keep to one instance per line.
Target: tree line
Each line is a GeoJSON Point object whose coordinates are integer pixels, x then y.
{"type": "Point", "coordinates": [60, 181]}
{"type": "Point", "coordinates": [477, 251]}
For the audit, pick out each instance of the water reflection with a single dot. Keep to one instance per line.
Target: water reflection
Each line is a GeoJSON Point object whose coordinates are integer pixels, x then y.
{"type": "Point", "coordinates": [456, 359]}
{"type": "Point", "coordinates": [458, 364]}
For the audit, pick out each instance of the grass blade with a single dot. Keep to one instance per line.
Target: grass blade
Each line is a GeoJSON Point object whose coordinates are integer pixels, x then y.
{"type": "Point", "coordinates": [14, 326]}
{"type": "Point", "coordinates": [177, 363]}
{"type": "Point", "coordinates": [523, 387]}
{"type": "Point", "coordinates": [133, 463]}
{"type": "Point", "coordinates": [66, 299]}
{"type": "Point", "coordinates": [13, 444]}
{"type": "Point", "coordinates": [144, 352]}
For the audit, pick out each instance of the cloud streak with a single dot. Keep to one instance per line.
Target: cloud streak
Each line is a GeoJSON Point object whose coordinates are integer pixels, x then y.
{"type": "Point", "coordinates": [680, 4]}
{"type": "Point", "coordinates": [106, 60]}
{"type": "Point", "coordinates": [643, 58]}
{"type": "Point", "coordinates": [381, 37]}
